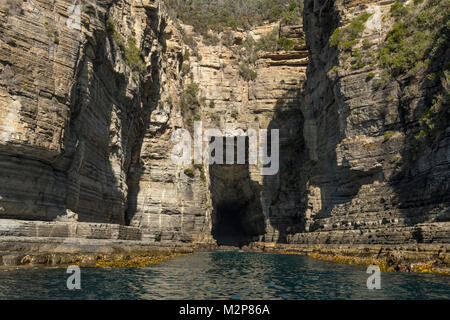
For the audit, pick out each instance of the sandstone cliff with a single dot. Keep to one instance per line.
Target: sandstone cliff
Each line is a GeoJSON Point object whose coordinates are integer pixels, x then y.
{"type": "Point", "coordinates": [88, 112]}
{"type": "Point", "coordinates": [372, 177]}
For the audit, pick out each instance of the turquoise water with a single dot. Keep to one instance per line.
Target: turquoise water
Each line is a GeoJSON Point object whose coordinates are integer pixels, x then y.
{"type": "Point", "coordinates": [224, 275]}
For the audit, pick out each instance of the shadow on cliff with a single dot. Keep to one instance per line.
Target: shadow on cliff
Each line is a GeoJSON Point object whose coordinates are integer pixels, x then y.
{"type": "Point", "coordinates": [282, 191]}
{"type": "Point", "coordinates": [151, 88]}
{"type": "Point", "coordinates": [94, 191]}
{"type": "Point", "coordinates": [311, 161]}
{"type": "Point", "coordinates": [421, 180]}
{"type": "Point", "coordinates": [110, 117]}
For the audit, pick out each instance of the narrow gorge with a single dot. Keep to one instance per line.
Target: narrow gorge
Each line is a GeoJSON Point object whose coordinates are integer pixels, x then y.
{"type": "Point", "coordinates": [90, 102]}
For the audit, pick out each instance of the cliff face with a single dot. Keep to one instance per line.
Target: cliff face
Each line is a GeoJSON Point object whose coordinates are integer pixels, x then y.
{"type": "Point", "coordinates": [69, 107]}
{"type": "Point", "coordinates": [88, 112]}
{"type": "Point", "coordinates": [172, 205]}
{"type": "Point", "coordinates": [75, 108]}
{"type": "Point", "coordinates": [371, 183]}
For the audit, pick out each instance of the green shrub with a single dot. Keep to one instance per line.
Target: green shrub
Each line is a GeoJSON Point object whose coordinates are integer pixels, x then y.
{"type": "Point", "coordinates": [268, 42]}
{"type": "Point", "coordinates": [51, 30]}
{"type": "Point", "coordinates": [246, 73]}
{"type": "Point", "coordinates": [13, 6]}
{"type": "Point", "coordinates": [389, 134]}
{"type": "Point", "coordinates": [202, 175]}
{"type": "Point", "coordinates": [346, 37]}
{"type": "Point", "coordinates": [110, 26]}
{"type": "Point", "coordinates": [214, 117]}
{"type": "Point", "coordinates": [168, 100]}
{"type": "Point", "coordinates": [286, 44]}
{"type": "Point", "coordinates": [185, 68]}
{"type": "Point", "coordinates": [190, 41]}
{"type": "Point", "coordinates": [413, 51]}
{"type": "Point", "coordinates": [189, 172]}
{"type": "Point", "coordinates": [366, 44]}
{"type": "Point", "coordinates": [235, 113]}
{"type": "Point", "coordinates": [431, 76]}
{"type": "Point", "coordinates": [423, 135]}
{"type": "Point", "coordinates": [370, 75]}
{"type": "Point", "coordinates": [248, 51]}
{"type": "Point", "coordinates": [200, 168]}
{"type": "Point", "coordinates": [133, 56]}
{"type": "Point", "coordinates": [357, 25]}
{"type": "Point", "coordinates": [358, 62]}
{"type": "Point", "coordinates": [211, 39]}
{"type": "Point", "coordinates": [435, 118]}
{"type": "Point", "coordinates": [186, 55]}
{"type": "Point", "coordinates": [189, 98]}
{"type": "Point", "coordinates": [227, 38]}
{"type": "Point", "coordinates": [112, 31]}
{"type": "Point", "coordinates": [398, 9]}
{"type": "Point", "coordinates": [293, 14]}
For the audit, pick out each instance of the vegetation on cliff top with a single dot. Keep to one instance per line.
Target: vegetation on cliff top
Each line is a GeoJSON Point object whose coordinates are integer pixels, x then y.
{"type": "Point", "coordinates": [218, 15]}
{"type": "Point", "coordinates": [248, 52]}
{"type": "Point", "coordinates": [418, 32]}
{"type": "Point", "coordinates": [416, 49]}
{"type": "Point", "coordinates": [415, 52]}
{"type": "Point", "coordinates": [224, 16]}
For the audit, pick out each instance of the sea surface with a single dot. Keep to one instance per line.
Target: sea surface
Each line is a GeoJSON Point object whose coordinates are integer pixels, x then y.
{"type": "Point", "coordinates": [224, 275]}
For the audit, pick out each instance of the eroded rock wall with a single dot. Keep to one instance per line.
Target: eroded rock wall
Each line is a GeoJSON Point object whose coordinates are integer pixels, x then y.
{"type": "Point", "coordinates": [234, 105]}
{"type": "Point", "coordinates": [366, 185]}
{"type": "Point", "coordinates": [88, 113]}
{"type": "Point", "coordinates": [74, 108]}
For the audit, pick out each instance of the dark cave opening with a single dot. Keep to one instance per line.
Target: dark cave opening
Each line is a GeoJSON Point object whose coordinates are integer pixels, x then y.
{"type": "Point", "coordinates": [237, 217]}
{"type": "Point", "coordinates": [229, 229]}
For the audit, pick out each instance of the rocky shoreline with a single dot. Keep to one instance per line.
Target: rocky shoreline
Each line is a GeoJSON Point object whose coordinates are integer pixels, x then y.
{"type": "Point", "coordinates": [431, 258]}
{"type": "Point", "coordinates": [57, 252]}
{"type": "Point", "coordinates": [59, 244]}
{"type": "Point", "coordinates": [87, 260]}
{"type": "Point", "coordinates": [423, 258]}
{"type": "Point", "coordinates": [62, 252]}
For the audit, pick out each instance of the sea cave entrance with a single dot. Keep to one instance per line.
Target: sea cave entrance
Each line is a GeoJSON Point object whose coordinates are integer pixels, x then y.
{"type": "Point", "coordinates": [237, 217]}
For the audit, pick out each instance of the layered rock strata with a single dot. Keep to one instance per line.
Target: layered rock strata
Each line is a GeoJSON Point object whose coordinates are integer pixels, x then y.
{"type": "Point", "coordinates": [360, 134]}
{"type": "Point", "coordinates": [89, 108]}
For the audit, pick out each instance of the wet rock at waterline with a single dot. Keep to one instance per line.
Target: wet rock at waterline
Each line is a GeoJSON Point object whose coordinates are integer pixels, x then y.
{"type": "Point", "coordinates": [89, 109]}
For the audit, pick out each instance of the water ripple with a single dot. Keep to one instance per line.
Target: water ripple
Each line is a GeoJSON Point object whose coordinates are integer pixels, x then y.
{"type": "Point", "coordinates": [224, 275]}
